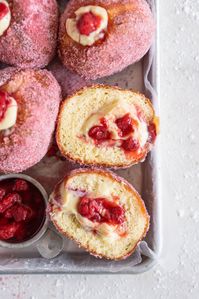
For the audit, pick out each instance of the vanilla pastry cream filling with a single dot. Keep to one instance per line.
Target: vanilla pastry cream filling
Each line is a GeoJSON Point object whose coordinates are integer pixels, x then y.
{"type": "Point", "coordinates": [84, 40]}
{"type": "Point", "coordinates": [111, 113]}
{"type": "Point", "coordinates": [5, 21]}
{"type": "Point", "coordinates": [10, 117]}
{"type": "Point", "coordinates": [70, 199]}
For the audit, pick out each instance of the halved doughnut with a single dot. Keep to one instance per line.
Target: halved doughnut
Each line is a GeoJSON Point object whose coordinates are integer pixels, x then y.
{"type": "Point", "coordinates": [106, 126]}
{"type": "Point", "coordinates": [100, 211]}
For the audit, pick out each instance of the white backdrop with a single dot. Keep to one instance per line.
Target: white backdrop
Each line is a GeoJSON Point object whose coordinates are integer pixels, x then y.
{"type": "Point", "coordinates": [177, 275]}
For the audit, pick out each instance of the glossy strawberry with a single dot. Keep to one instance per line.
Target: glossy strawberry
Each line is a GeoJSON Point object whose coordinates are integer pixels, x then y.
{"type": "Point", "coordinates": [20, 185]}
{"type": "Point", "coordinates": [101, 210]}
{"type": "Point", "coordinates": [19, 213]}
{"type": "Point", "coordinates": [125, 125]}
{"type": "Point", "coordinates": [23, 206]}
{"type": "Point", "coordinates": [88, 23]}
{"type": "Point", "coordinates": [8, 231]}
{"type": "Point", "coordinates": [130, 144]}
{"type": "Point", "coordinates": [99, 133]}
{"type": "Point", "coordinates": [8, 201]}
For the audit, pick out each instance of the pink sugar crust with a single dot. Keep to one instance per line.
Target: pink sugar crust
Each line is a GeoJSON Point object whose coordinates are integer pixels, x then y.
{"type": "Point", "coordinates": [38, 99]}
{"type": "Point", "coordinates": [69, 81]}
{"type": "Point", "coordinates": [30, 41]}
{"type": "Point", "coordinates": [6, 73]}
{"type": "Point", "coordinates": [130, 35]}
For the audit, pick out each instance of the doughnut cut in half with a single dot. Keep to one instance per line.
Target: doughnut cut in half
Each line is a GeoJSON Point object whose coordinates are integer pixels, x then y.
{"type": "Point", "coordinates": [106, 126]}
{"type": "Point", "coordinates": [100, 211]}
{"type": "Point", "coordinates": [101, 37]}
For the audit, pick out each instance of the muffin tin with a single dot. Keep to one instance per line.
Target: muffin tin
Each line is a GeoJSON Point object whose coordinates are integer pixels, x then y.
{"type": "Point", "coordinates": [38, 257]}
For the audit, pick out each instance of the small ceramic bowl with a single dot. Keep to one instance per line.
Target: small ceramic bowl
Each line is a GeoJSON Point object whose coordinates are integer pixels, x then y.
{"type": "Point", "coordinates": [47, 241]}
{"type": "Point", "coordinates": [43, 227]}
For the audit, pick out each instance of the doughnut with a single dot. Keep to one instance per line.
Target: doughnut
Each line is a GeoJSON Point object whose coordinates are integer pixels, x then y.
{"type": "Point", "coordinates": [106, 126]}
{"type": "Point", "coordinates": [101, 37]}
{"type": "Point", "coordinates": [28, 32]}
{"type": "Point", "coordinates": [100, 211]}
{"type": "Point", "coordinates": [29, 104]}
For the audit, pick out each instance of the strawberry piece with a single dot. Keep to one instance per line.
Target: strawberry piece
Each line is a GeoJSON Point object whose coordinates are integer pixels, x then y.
{"type": "Point", "coordinates": [130, 144]}
{"type": "Point", "coordinates": [99, 133]}
{"type": "Point", "coordinates": [125, 125]}
{"type": "Point", "coordinates": [8, 201]}
{"type": "Point", "coordinates": [2, 193]}
{"type": "Point", "coordinates": [3, 10]}
{"type": "Point", "coordinates": [4, 102]}
{"type": "Point", "coordinates": [101, 210]}
{"type": "Point", "coordinates": [8, 231]}
{"type": "Point", "coordinates": [88, 23]}
{"type": "Point", "coordinates": [152, 132]}
{"type": "Point", "coordinates": [20, 185]}
{"type": "Point", "coordinates": [19, 213]}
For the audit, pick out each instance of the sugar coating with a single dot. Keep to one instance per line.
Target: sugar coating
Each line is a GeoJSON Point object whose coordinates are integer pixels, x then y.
{"type": "Point", "coordinates": [130, 34]}
{"type": "Point", "coordinates": [38, 97]}
{"type": "Point", "coordinates": [69, 81]}
{"type": "Point", "coordinates": [30, 40]}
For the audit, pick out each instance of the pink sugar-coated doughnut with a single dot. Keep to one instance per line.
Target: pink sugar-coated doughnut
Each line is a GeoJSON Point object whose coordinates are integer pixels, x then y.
{"type": "Point", "coordinates": [30, 40]}
{"type": "Point", "coordinates": [129, 36]}
{"type": "Point", "coordinates": [38, 96]}
{"type": "Point", "coordinates": [69, 81]}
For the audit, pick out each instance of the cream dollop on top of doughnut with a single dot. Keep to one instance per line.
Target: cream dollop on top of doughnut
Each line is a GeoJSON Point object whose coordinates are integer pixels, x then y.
{"type": "Point", "coordinates": [70, 199]}
{"type": "Point", "coordinates": [10, 117]}
{"type": "Point", "coordinates": [111, 112]}
{"type": "Point", "coordinates": [5, 21]}
{"type": "Point", "coordinates": [84, 40]}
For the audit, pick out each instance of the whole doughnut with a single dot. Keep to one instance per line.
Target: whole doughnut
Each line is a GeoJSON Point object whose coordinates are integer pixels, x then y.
{"type": "Point", "coordinates": [38, 96]}
{"type": "Point", "coordinates": [129, 36]}
{"type": "Point", "coordinates": [30, 40]}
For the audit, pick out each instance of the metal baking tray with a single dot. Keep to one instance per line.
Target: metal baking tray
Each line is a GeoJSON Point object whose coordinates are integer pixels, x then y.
{"type": "Point", "coordinates": [142, 77]}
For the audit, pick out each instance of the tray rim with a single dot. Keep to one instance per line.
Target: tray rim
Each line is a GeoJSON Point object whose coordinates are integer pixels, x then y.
{"type": "Point", "coordinates": [149, 263]}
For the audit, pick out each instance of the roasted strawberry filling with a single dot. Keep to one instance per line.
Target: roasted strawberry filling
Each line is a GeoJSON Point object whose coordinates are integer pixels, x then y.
{"type": "Point", "coordinates": [99, 133]}
{"type": "Point", "coordinates": [125, 124]}
{"type": "Point", "coordinates": [88, 23]}
{"type": "Point", "coordinates": [101, 210]}
{"type": "Point", "coordinates": [3, 10]}
{"type": "Point", "coordinates": [4, 103]}
{"type": "Point", "coordinates": [152, 132]}
{"type": "Point", "coordinates": [130, 144]}
{"type": "Point", "coordinates": [22, 210]}
{"type": "Point", "coordinates": [128, 133]}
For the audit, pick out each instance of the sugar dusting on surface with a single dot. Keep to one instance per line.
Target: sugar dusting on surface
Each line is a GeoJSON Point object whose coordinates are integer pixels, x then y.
{"type": "Point", "coordinates": [38, 99]}
{"type": "Point", "coordinates": [30, 41]}
{"type": "Point", "coordinates": [112, 54]}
